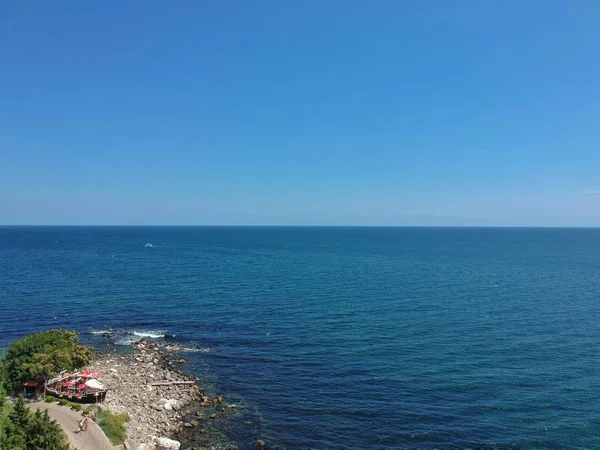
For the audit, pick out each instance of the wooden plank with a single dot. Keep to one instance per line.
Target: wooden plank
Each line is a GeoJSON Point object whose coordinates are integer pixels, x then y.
{"type": "Point", "coordinates": [171, 383]}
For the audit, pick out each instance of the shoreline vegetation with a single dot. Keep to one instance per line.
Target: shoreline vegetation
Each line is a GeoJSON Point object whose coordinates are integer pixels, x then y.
{"type": "Point", "coordinates": [35, 358]}
{"type": "Point", "coordinates": [23, 429]}
{"type": "Point", "coordinates": [150, 402]}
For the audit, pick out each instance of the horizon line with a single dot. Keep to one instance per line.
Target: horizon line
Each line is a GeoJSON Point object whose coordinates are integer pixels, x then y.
{"type": "Point", "coordinates": [296, 226]}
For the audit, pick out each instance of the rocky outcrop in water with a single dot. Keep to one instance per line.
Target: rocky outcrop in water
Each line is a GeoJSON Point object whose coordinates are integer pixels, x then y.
{"type": "Point", "coordinates": [147, 386]}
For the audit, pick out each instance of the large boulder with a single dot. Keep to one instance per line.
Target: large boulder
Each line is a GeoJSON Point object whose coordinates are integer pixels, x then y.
{"type": "Point", "coordinates": [164, 443]}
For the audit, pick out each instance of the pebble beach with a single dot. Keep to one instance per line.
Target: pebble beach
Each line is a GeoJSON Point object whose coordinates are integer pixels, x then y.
{"type": "Point", "coordinates": [160, 400]}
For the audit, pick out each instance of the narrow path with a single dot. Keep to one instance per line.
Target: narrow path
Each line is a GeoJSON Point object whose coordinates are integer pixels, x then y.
{"type": "Point", "coordinates": [92, 439]}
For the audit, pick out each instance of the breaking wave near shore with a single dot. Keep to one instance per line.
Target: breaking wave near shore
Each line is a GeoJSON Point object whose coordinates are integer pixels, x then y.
{"type": "Point", "coordinates": [129, 337]}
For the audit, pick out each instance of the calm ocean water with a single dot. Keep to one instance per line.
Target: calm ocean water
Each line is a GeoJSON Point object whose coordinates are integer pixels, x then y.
{"type": "Point", "coordinates": [342, 337]}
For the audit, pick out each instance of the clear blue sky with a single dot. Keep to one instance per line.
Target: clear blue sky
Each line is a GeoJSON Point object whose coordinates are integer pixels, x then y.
{"type": "Point", "coordinates": [300, 112]}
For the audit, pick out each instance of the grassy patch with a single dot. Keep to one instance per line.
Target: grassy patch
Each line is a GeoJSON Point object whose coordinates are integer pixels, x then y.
{"type": "Point", "coordinates": [113, 425]}
{"type": "Point", "coordinates": [64, 402]}
{"type": "Point", "coordinates": [75, 406]}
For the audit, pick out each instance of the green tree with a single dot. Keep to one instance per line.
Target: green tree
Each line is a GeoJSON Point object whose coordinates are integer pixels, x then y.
{"type": "Point", "coordinates": [15, 426]}
{"type": "Point", "coordinates": [2, 385]}
{"type": "Point", "coordinates": [24, 430]}
{"type": "Point", "coordinates": [43, 355]}
{"type": "Point", "coordinates": [43, 433]}
{"type": "Point", "coordinates": [20, 415]}
{"type": "Point", "coordinates": [11, 437]}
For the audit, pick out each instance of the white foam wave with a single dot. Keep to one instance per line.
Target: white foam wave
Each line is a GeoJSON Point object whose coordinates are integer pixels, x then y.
{"type": "Point", "coordinates": [127, 340]}
{"type": "Point", "coordinates": [196, 349]}
{"type": "Point", "coordinates": [152, 334]}
{"type": "Point", "coordinates": [102, 332]}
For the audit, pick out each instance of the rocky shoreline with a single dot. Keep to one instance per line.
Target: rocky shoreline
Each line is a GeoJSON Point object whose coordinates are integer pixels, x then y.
{"type": "Point", "coordinates": [160, 400]}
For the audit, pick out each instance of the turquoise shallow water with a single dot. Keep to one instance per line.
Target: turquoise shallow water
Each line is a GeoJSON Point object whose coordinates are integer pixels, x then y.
{"type": "Point", "coordinates": [342, 337]}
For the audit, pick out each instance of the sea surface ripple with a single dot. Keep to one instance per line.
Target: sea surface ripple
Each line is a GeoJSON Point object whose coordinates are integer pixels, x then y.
{"type": "Point", "coordinates": [341, 337]}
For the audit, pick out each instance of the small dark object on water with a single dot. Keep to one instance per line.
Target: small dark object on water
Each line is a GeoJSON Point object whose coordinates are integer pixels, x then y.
{"type": "Point", "coordinates": [260, 443]}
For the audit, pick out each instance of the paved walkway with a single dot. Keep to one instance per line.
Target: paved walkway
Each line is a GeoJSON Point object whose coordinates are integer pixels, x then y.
{"type": "Point", "coordinates": [92, 439]}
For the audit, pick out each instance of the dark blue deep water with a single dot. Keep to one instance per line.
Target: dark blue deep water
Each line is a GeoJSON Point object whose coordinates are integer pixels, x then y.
{"type": "Point", "coordinates": [342, 337]}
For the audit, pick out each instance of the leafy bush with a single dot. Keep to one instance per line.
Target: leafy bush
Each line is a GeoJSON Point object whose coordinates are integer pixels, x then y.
{"type": "Point", "coordinates": [69, 404]}
{"type": "Point", "coordinates": [49, 399]}
{"type": "Point", "coordinates": [113, 425]}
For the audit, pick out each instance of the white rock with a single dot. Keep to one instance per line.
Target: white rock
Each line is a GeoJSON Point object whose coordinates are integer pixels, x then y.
{"type": "Point", "coordinates": [164, 443]}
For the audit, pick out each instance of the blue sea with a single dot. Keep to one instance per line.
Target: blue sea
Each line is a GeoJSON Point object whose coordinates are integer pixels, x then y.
{"type": "Point", "coordinates": [362, 338]}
